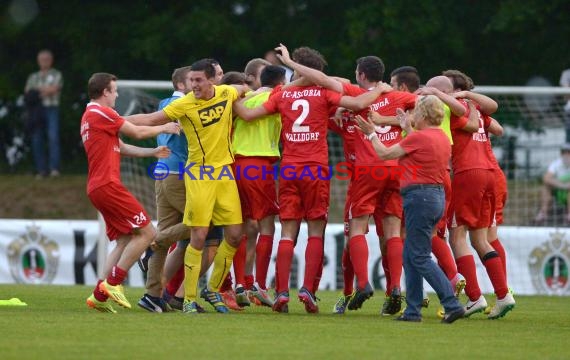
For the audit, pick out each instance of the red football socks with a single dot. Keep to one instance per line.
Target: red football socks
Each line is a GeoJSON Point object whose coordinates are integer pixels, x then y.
{"type": "Point", "coordinates": [494, 268]}
{"type": "Point", "coordinates": [347, 272]}
{"type": "Point", "coordinates": [444, 256]}
{"type": "Point", "coordinates": [239, 261]}
{"type": "Point", "coordinates": [498, 246]}
{"type": "Point", "coordinates": [99, 295]}
{"type": "Point", "coordinates": [116, 276]}
{"type": "Point", "coordinates": [358, 250]}
{"type": "Point", "coordinates": [283, 267]}
{"type": "Point", "coordinates": [174, 283]}
{"type": "Point", "coordinates": [263, 258]}
{"type": "Point", "coordinates": [466, 266]}
{"type": "Point", "coordinates": [386, 273]}
{"type": "Point", "coordinates": [395, 250]}
{"type": "Point", "coordinates": [313, 261]}
{"type": "Point", "coordinates": [227, 284]}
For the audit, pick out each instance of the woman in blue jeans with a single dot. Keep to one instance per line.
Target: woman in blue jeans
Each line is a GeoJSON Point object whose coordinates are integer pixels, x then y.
{"type": "Point", "coordinates": [424, 156]}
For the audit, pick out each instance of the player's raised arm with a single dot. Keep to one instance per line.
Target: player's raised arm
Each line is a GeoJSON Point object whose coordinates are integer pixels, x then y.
{"type": "Point", "coordinates": [145, 132]}
{"type": "Point", "coordinates": [366, 126]}
{"type": "Point", "coordinates": [382, 120]}
{"type": "Point", "coordinates": [454, 105]}
{"type": "Point", "coordinates": [159, 152]}
{"type": "Point", "coordinates": [151, 119]}
{"type": "Point", "coordinates": [487, 105]}
{"type": "Point", "coordinates": [242, 89]}
{"type": "Point", "coordinates": [365, 99]}
{"type": "Point", "coordinates": [312, 75]}
{"type": "Point", "coordinates": [473, 119]}
{"type": "Point", "coordinates": [495, 128]}
{"type": "Point", "coordinates": [249, 114]}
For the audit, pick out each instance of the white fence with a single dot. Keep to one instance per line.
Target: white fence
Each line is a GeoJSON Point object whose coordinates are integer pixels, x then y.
{"type": "Point", "coordinates": [65, 252]}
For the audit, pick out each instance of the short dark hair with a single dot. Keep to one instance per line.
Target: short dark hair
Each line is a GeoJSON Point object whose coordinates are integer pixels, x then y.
{"type": "Point", "coordinates": [459, 80]}
{"type": "Point", "coordinates": [309, 57]}
{"type": "Point", "coordinates": [205, 65]}
{"type": "Point", "coordinates": [97, 83]}
{"type": "Point", "coordinates": [407, 75]}
{"type": "Point", "coordinates": [233, 78]}
{"type": "Point", "coordinates": [179, 74]}
{"type": "Point", "coordinates": [372, 67]}
{"type": "Point", "coordinates": [272, 75]}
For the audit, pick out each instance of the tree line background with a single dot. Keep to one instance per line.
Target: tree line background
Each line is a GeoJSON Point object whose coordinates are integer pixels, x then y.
{"type": "Point", "coordinates": [495, 42]}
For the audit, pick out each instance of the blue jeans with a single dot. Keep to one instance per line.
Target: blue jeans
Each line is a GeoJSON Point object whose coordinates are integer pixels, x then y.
{"type": "Point", "coordinates": [37, 138]}
{"type": "Point", "coordinates": [423, 207]}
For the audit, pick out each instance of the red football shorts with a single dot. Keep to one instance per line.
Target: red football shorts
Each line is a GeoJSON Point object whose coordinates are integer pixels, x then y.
{"type": "Point", "coordinates": [304, 192]}
{"type": "Point", "coordinates": [473, 198]}
{"type": "Point", "coordinates": [369, 194]}
{"type": "Point", "coordinates": [121, 211]}
{"type": "Point", "coordinates": [256, 186]}
{"type": "Point", "coordinates": [500, 196]}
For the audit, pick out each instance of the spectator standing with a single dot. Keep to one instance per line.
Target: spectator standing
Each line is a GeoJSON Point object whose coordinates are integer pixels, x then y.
{"type": "Point", "coordinates": [48, 82]}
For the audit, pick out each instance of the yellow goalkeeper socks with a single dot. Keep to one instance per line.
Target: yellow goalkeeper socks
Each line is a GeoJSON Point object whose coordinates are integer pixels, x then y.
{"type": "Point", "coordinates": [192, 265]}
{"type": "Point", "coordinates": [222, 265]}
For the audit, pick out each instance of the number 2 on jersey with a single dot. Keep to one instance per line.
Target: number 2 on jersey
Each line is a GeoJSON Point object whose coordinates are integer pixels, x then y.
{"type": "Point", "coordinates": [304, 104]}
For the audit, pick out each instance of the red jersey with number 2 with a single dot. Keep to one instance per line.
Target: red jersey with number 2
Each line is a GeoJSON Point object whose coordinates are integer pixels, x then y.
{"type": "Point", "coordinates": [304, 114]}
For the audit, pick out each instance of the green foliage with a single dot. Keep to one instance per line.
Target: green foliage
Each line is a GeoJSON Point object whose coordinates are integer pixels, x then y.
{"type": "Point", "coordinates": [147, 39]}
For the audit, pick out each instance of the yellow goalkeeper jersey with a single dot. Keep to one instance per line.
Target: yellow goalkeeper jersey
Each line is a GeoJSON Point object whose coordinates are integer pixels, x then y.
{"type": "Point", "coordinates": [207, 125]}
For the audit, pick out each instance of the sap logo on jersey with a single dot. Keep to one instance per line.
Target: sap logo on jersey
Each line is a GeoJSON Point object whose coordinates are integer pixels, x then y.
{"type": "Point", "coordinates": [212, 114]}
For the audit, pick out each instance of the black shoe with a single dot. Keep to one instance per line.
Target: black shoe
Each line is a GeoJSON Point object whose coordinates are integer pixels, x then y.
{"type": "Point", "coordinates": [359, 297]}
{"type": "Point", "coordinates": [403, 318]}
{"type": "Point", "coordinates": [143, 260]}
{"type": "Point", "coordinates": [154, 304]}
{"type": "Point", "coordinates": [393, 304]}
{"type": "Point", "coordinates": [448, 318]}
{"type": "Point", "coordinates": [175, 303]}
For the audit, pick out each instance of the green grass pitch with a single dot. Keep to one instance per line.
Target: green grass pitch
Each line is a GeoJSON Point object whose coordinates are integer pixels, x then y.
{"type": "Point", "coordinates": [56, 324]}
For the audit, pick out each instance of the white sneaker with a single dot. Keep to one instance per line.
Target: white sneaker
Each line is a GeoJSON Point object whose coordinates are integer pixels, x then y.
{"type": "Point", "coordinates": [502, 307]}
{"type": "Point", "coordinates": [476, 306]}
{"type": "Point", "coordinates": [261, 295]}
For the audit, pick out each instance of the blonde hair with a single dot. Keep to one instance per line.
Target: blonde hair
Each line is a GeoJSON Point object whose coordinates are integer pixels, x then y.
{"type": "Point", "coordinates": [430, 108]}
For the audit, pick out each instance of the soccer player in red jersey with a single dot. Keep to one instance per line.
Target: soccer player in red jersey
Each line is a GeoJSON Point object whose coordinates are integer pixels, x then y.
{"type": "Point", "coordinates": [463, 85]}
{"type": "Point", "coordinates": [127, 222]}
{"type": "Point", "coordinates": [343, 125]}
{"type": "Point", "coordinates": [474, 210]}
{"type": "Point", "coordinates": [373, 193]}
{"type": "Point", "coordinates": [304, 185]}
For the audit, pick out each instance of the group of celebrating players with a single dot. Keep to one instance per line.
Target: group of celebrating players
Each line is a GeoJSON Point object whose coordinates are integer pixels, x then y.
{"type": "Point", "coordinates": [239, 120]}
